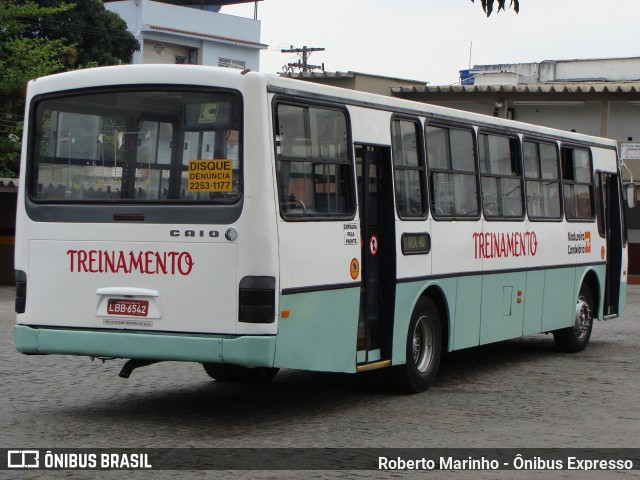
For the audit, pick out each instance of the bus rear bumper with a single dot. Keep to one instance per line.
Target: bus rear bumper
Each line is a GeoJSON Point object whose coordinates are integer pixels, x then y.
{"type": "Point", "coordinates": [248, 351]}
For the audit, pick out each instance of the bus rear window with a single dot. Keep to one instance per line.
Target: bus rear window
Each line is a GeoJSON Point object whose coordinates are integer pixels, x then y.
{"type": "Point", "coordinates": [137, 147]}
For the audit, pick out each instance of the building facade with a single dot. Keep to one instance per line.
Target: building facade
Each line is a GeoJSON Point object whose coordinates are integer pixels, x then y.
{"type": "Point", "coordinates": [191, 33]}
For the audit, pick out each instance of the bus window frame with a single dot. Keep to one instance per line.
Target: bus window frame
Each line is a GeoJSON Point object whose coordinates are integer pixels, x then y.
{"type": "Point", "coordinates": [422, 158]}
{"type": "Point", "coordinates": [555, 143]}
{"type": "Point", "coordinates": [174, 166]}
{"type": "Point", "coordinates": [440, 123]}
{"type": "Point", "coordinates": [623, 209]}
{"type": "Point", "coordinates": [601, 221]}
{"type": "Point", "coordinates": [587, 148]}
{"type": "Point", "coordinates": [517, 135]}
{"type": "Point", "coordinates": [280, 99]}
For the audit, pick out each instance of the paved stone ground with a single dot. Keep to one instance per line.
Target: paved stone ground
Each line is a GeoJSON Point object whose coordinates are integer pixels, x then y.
{"type": "Point", "coordinates": [519, 393]}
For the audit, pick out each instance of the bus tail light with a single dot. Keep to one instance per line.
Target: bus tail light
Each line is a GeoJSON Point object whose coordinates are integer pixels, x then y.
{"type": "Point", "coordinates": [257, 300]}
{"type": "Point", "coordinates": [21, 291]}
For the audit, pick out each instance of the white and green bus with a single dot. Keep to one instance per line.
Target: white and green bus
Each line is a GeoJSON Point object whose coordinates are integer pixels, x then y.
{"type": "Point", "coordinates": [251, 223]}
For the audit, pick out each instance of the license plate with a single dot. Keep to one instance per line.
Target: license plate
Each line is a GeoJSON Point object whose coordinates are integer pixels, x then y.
{"type": "Point", "coordinates": [126, 307]}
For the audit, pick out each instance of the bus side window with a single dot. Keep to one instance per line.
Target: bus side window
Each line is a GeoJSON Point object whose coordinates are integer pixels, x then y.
{"type": "Point", "coordinates": [601, 201]}
{"type": "Point", "coordinates": [501, 176]}
{"type": "Point", "coordinates": [577, 183]}
{"type": "Point", "coordinates": [408, 164]}
{"type": "Point", "coordinates": [543, 180]}
{"type": "Point", "coordinates": [452, 172]}
{"type": "Point", "coordinates": [315, 177]}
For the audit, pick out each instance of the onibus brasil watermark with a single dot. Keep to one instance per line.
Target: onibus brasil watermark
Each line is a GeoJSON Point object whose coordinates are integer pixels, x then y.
{"type": "Point", "coordinates": [71, 461]}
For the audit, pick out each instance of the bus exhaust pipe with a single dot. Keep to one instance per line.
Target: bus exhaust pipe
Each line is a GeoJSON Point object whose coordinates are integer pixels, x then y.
{"type": "Point", "coordinates": [134, 363]}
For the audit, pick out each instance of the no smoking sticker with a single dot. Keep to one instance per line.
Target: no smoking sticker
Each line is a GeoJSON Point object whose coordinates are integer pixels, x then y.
{"type": "Point", "coordinates": [373, 245]}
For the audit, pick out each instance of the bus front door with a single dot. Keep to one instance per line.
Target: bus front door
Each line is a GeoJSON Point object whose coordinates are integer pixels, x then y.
{"type": "Point", "coordinates": [613, 229]}
{"type": "Point", "coordinates": [375, 199]}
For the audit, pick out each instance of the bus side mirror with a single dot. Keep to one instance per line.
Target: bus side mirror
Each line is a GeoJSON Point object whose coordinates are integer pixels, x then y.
{"type": "Point", "coordinates": [630, 190]}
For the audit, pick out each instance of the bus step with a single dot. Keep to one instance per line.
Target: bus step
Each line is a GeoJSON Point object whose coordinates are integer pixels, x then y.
{"type": "Point", "coordinates": [373, 365]}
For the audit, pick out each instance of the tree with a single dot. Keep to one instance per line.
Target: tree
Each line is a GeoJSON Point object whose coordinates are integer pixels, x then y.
{"type": "Point", "coordinates": [487, 5]}
{"type": "Point", "coordinates": [21, 59]}
{"type": "Point", "coordinates": [39, 38]}
{"type": "Point", "coordinates": [100, 37]}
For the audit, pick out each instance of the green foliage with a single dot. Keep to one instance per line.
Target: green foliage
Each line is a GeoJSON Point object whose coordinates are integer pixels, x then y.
{"type": "Point", "coordinates": [100, 37]}
{"type": "Point", "coordinates": [10, 150]}
{"type": "Point", "coordinates": [487, 5]}
{"type": "Point", "coordinates": [21, 59]}
{"type": "Point", "coordinates": [42, 37]}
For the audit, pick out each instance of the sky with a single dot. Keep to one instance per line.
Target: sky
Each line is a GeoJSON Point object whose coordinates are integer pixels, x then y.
{"type": "Point", "coordinates": [431, 40]}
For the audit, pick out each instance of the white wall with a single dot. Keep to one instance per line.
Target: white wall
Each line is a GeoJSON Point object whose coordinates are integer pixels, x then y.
{"type": "Point", "coordinates": [584, 118]}
{"type": "Point", "coordinates": [199, 21]}
{"type": "Point", "coordinates": [612, 69]}
{"type": "Point", "coordinates": [141, 15]}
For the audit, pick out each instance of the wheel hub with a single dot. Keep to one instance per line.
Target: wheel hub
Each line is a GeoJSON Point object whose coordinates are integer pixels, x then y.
{"type": "Point", "coordinates": [584, 318]}
{"type": "Point", "coordinates": [423, 344]}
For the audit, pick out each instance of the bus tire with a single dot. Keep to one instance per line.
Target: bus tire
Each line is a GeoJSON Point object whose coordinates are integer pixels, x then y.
{"type": "Point", "coordinates": [219, 371]}
{"type": "Point", "coordinates": [575, 338]}
{"type": "Point", "coordinates": [423, 350]}
{"type": "Point", "coordinates": [254, 375]}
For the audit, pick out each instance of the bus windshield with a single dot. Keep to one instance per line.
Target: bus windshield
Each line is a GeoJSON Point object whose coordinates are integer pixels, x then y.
{"type": "Point", "coordinates": [146, 146]}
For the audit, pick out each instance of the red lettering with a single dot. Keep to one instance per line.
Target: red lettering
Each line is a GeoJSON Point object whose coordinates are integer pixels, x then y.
{"type": "Point", "coordinates": [82, 261]}
{"type": "Point", "coordinates": [135, 262]}
{"type": "Point", "coordinates": [510, 245]}
{"type": "Point", "coordinates": [161, 263]}
{"type": "Point", "coordinates": [475, 244]}
{"type": "Point", "coordinates": [504, 245]}
{"type": "Point", "coordinates": [533, 244]}
{"type": "Point", "coordinates": [185, 260]}
{"type": "Point", "coordinates": [71, 254]}
{"type": "Point", "coordinates": [122, 264]}
{"type": "Point", "coordinates": [147, 262]}
{"type": "Point", "coordinates": [92, 261]}
{"type": "Point", "coordinates": [109, 264]}
{"type": "Point", "coordinates": [517, 244]}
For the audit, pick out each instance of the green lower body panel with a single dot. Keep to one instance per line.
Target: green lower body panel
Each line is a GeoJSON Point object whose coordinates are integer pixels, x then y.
{"type": "Point", "coordinates": [321, 331]}
{"type": "Point", "coordinates": [248, 351]}
{"type": "Point", "coordinates": [488, 308]}
{"type": "Point", "coordinates": [407, 294]}
{"type": "Point", "coordinates": [622, 303]}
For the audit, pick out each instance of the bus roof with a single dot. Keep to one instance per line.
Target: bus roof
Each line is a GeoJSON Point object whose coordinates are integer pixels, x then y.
{"type": "Point", "coordinates": [198, 75]}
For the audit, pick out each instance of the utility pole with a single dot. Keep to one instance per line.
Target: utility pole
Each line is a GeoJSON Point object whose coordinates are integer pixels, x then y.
{"type": "Point", "coordinates": [302, 64]}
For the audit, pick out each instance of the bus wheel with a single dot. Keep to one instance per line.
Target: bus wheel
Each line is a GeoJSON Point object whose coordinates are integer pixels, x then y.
{"type": "Point", "coordinates": [423, 351]}
{"type": "Point", "coordinates": [575, 339]}
{"type": "Point", "coordinates": [254, 375]}
{"type": "Point", "coordinates": [219, 371]}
